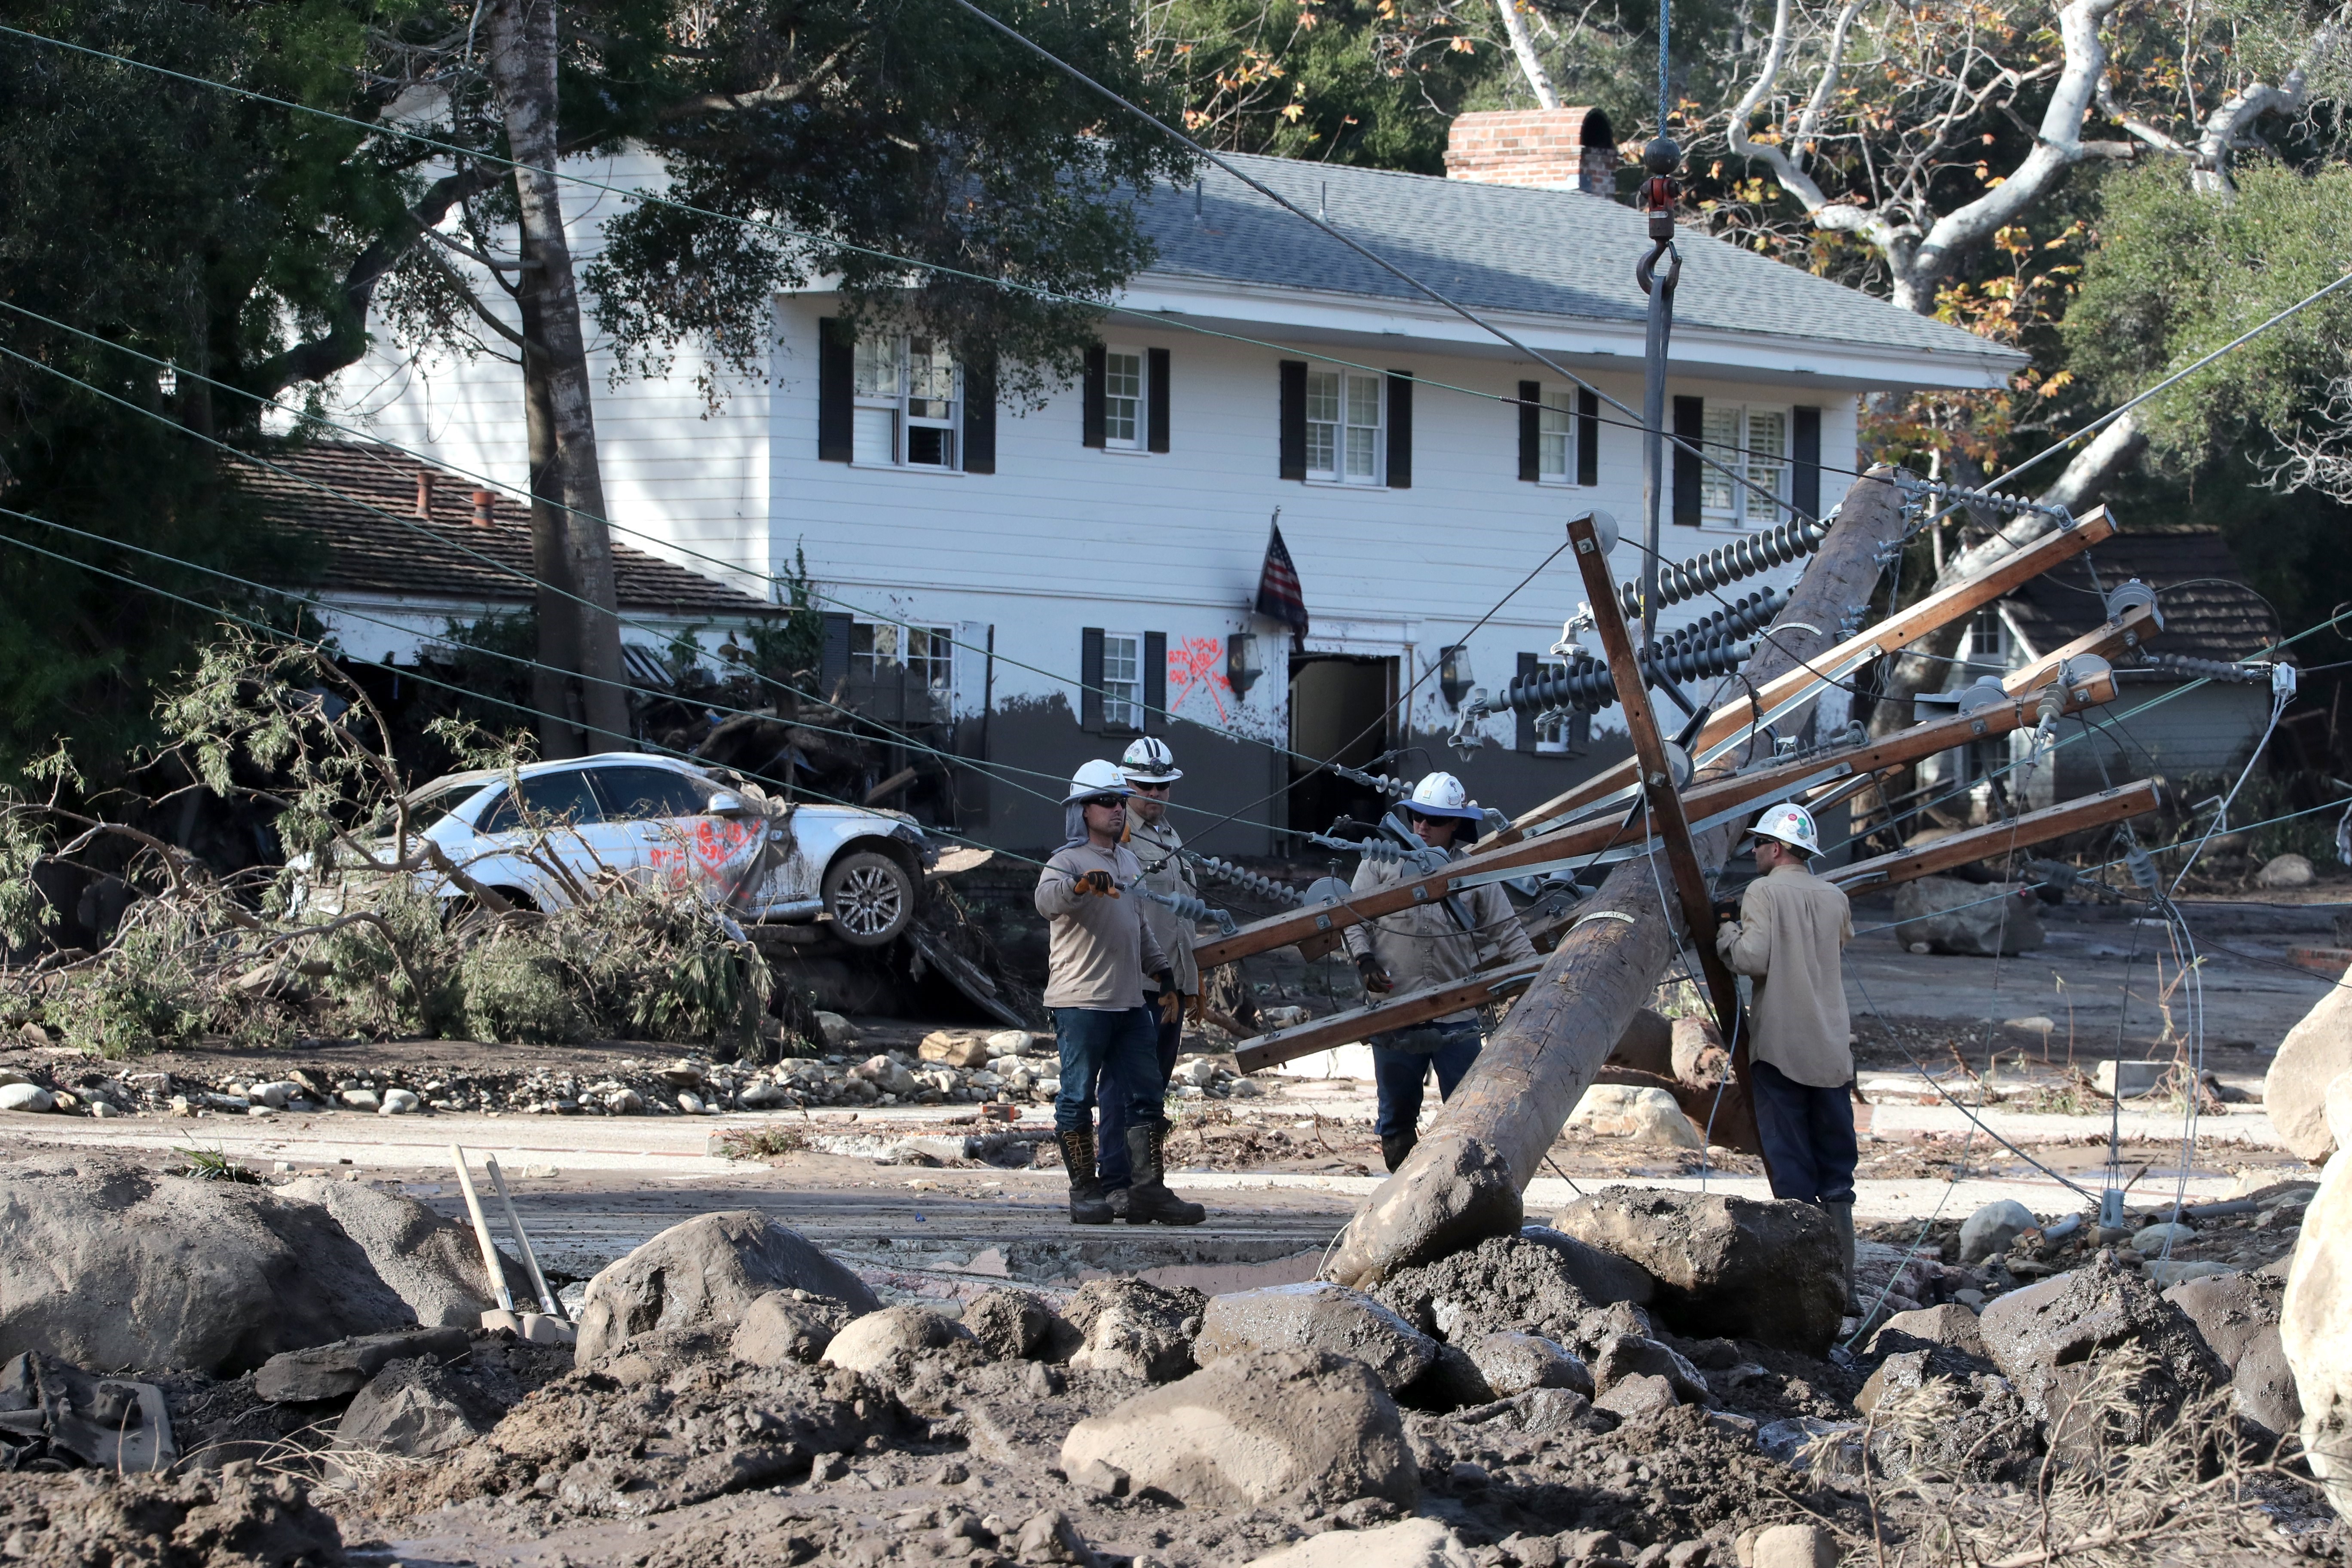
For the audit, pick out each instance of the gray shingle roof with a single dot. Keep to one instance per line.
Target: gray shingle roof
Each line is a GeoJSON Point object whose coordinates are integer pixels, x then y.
{"type": "Point", "coordinates": [1502, 248]}
{"type": "Point", "coordinates": [368, 553]}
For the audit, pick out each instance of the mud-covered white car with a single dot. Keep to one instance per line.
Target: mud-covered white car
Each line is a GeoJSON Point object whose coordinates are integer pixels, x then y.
{"type": "Point", "coordinates": [663, 821]}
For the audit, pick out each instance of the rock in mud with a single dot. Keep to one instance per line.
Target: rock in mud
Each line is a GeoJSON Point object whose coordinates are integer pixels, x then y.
{"type": "Point", "coordinates": [1409, 1543]}
{"type": "Point", "coordinates": [1317, 1315]}
{"type": "Point", "coordinates": [433, 1264]}
{"type": "Point", "coordinates": [1629, 1356]}
{"type": "Point", "coordinates": [1505, 1284]}
{"type": "Point", "coordinates": [1725, 1266]}
{"type": "Point", "coordinates": [1452, 1382]}
{"type": "Point", "coordinates": [2051, 1340]}
{"type": "Point", "coordinates": [1935, 1415]}
{"type": "Point", "coordinates": [2238, 1314]}
{"type": "Point", "coordinates": [1795, 1545]}
{"type": "Point", "coordinates": [1973, 920]}
{"type": "Point", "coordinates": [1988, 1232]}
{"type": "Point", "coordinates": [708, 1271]}
{"type": "Point", "coordinates": [331, 1372]}
{"type": "Point", "coordinates": [1136, 1328]}
{"type": "Point", "coordinates": [1014, 1325]}
{"type": "Point", "coordinates": [1950, 1325]}
{"type": "Point", "coordinates": [1603, 1278]}
{"type": "Point", "coordinates": [237, 1515]}
{"type": "Point", "coordinates": [415, 1410]}
{"type": "Point", "coordinates": [875, 1341]}
{"type": "Point", "coordinates": [784, 1327]}
{"type": "Point", "coordinates": [1255, 1430]}
{"type": "Point", "coordinates": [1833, 1448]}
{"type": "Point", "coordinates": [1514, 1363]}
{"type": "Point", "coordinates": [110, 1264]}
{"type": "Point", "coordinates": [1638, 1396]}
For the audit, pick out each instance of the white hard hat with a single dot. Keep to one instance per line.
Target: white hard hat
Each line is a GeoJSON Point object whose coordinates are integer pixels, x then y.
{"type": "Point", "coordinates": [1791, 825]}
{"type": "Point", "coordinates": [1149, 761]}
{"type": "Point", "coordinates": [1442, 795]}
{"type": "Point", "coordinates": [1094, 778]}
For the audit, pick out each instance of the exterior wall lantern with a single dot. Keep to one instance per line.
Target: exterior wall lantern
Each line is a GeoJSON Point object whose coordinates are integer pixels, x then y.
{"type": "Point", "coordinates": [1244, 662]}
{"type": "Point", "coordinates": [1454, 676]}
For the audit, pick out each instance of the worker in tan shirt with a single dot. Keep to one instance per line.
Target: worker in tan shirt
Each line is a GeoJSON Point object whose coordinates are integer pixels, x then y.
{"type": "Point", "coordinates": [1790, 936]}
{"type": "Point", "coordinates": [1098, 952]}
{"type": "Point", "coordinates": [1433, 943]}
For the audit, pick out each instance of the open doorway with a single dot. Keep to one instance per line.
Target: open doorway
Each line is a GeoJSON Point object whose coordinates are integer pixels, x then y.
{"type": "Point", "coordinates": [1342, 709]}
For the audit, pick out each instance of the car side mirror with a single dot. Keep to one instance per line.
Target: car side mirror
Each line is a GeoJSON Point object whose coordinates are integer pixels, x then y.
{"type": "Point", "coordinates": [726, 804]}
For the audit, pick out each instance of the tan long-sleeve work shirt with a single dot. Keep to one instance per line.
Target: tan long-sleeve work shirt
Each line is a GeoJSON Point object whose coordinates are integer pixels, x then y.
{"type": "Point", "coordinates": [1428, 944]}
{"type": "Point", "coordinates": [1155, 845]}
{"type": "Point", "coordinates": [1098, 949]}
{"type": "Point", "coordinates": [1792, 931]}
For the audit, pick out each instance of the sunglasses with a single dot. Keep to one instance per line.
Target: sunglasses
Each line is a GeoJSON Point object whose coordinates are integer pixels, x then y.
{"type": "Point", "coordinates": [1104, 800]}
{"type": "Point", "coordinates": [1139, 787]}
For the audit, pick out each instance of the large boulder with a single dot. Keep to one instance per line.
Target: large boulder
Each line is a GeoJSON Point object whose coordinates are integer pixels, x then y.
{"type": "Point", "coordinates": [1950, 1325]}
{"type": "Point", "coordinates": [787, 1328]}
{"type": "Point", "coordinates": [1015, 1325]}
{"type": "Point", "coordinates": [878, 1339]}
{"type": "Point", "coordinates": [1408, 1543]}
{"type": "Point", "coordinates": [1317, 1315]}
{"type": "Point", "coordinates": [1135, 1327]}
{"type": "Point", "coordinates": [708, 1271]}
{"type": "Point", "coordinates": [1514, 1363]}
{"type": "Point", "coordinates": [1728, 1266]}
{"type": "Point", "coordinates": [1939, 1413]}
{"type": "Point", "coordinates": [414, 1409]}
{"type": "Point", "coordinates": [1976, 920]}
{"type": "Point", "coordinates": [432, 1263]}
{"type": "Point", "coordinates": [2315, 1329]}
{"type": "Point", "coordinates": [331, 1372]}
{"type": "Point", "coordinates": [1638, 1114]}
{"type": "Point", "coordinates": [1602, 1277]}
{"type": "Point", "coordinates": [1990, 1230]}
{"type": "Point", "coordinates": [1256, 1431]}
{"type": "Point", "coordinates": [2053, 1340]}
{"type": "Point", "coordinates": [2315, 1052]}
{"type": "Point", "coordinates": [111, 1264]}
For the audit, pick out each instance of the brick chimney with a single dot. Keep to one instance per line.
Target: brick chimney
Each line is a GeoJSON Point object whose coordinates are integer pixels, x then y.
{"type": "Point", "coordinates": [481, 509]}
{"type": "Point", "coordinates": [424, 493]}
{"type": "Point", "coordinates": [1549, 149]}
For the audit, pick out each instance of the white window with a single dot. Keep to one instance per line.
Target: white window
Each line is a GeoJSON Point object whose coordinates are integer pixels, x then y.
{"type": "Point", "coordinates": [1343, 426]}
{"type": "Point", "coordinates": [879, 649]}
{"type": "Point", "coordinates": [1122, 681]}
{"type": "Point", "coordinates": [1124, 420]}
{"type": "Point", "coordinates": [1556, 437]}
{"type": "Point", "coordinates": [1754, 443]}
{"type": "Point", "coordinates": [907, 410]}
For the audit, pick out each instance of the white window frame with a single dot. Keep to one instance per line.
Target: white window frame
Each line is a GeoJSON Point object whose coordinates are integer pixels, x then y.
{"type": "Point", "coordinates": [888, 646]}
{"type": "Point", "coordinates": [1556, 402]}
{"type": "Point", "coordinates": [1745, 509]}
{"type": "Point", "coordinates": [1346, 387]}
{"type": "Point", "coordinates": [1122, 649]}
{"type": "Point", "coordinates": [1137, 418]}
{"type": "Point", "coordinates": [883, 390]}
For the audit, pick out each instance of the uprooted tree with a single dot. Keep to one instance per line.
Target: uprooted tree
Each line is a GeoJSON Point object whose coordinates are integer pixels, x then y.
{"type": "Point", "coordinates": [367, 927]}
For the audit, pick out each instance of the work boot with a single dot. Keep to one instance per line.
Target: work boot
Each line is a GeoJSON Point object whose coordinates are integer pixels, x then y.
{"type": "Point", "coordinates": [1842, 1222]}
{"type": "Point", "coordinates": [1087, 1204]}
{"type": "Point", "coordinates": [1395, 1147]}
{"type": "Point", "coordinates": [1147, 1200]}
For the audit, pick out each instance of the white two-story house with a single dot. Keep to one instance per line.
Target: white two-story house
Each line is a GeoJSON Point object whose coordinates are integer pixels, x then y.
{"type": "Point", "coordinates": [1067, 578]}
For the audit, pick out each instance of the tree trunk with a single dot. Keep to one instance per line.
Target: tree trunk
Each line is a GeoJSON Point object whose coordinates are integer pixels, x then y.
{"type": "Point", "coordinates": [556, 696]}
{"type": "Point", "coordinates": [523, 67]}
{"type": "Point", "coordinates": [1463, 1182]}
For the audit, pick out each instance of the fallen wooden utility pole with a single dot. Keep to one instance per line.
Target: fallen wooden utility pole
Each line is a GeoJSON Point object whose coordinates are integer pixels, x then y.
{"type": "Point", "coordinates": [1801, 662]}
{"type": "Point", "coordinates": [1278, 1045]}
{"type": "Point", "coordinates": [1560, 849]}
{"type": "Point", "coordinates": [1463, 1181]}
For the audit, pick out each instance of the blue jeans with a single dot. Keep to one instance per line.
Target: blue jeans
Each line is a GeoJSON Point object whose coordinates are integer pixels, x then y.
{"type": "Point", "coordinates": [1400, 1073]}
{"type": "Point", "coordinates": [1096, 1038]}
{"type": "Point", "coordinates": [1808, 1133]}
{"type": "Point", "coordinates": [1111, 1145]}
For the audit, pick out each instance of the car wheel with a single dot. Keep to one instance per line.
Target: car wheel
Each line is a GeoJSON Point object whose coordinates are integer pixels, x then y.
{"type": "Point", "coordinates": [871, 898]}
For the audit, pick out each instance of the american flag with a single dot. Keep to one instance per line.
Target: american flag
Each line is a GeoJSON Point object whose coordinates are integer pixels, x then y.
{"type": "Point", "coordinates": [1278, 594]}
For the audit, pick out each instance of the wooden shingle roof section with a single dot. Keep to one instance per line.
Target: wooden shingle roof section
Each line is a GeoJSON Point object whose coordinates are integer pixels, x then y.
{"type": "Point", "coordinates": [2208, 612]}
{"type": "Point", "coordinates": [445, 539]}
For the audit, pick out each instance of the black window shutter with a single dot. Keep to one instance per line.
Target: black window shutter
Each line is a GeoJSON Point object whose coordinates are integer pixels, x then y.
{"type": "Point", "coordinates": [1294, 419]}
{"type": "Point", "coordinates": [1155, 682]}
{"type": "Point", "coordinates": [979, 415]}
{"type": "Point", "coordinates": [1090, 401]}
{"type": "Point", "coordinates": [1399, 430]}
{"type": "Point", "coordinates": [837, 390]}
{"type": "Point", "coordinates": [1531, 431]}
{"type": "Point", "coordinates": [1690, 424]}
{"type": "Point", "coordinates": [1588, 437]}
{"type": "Point", "coordinates": [1524, 740]}
{"type": "Point", "coordinates": [1805, 476]}
{"type": "Point", "coordinates": [832, 659]}
{"type": "Point", "coordinates": [1155, 399]}
{"type": "Point", "coordinates": [1090, 696]}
